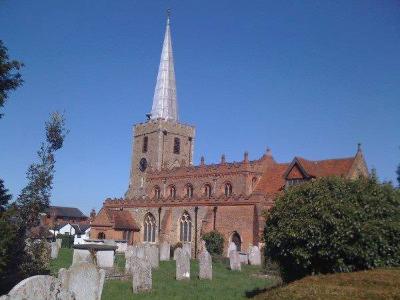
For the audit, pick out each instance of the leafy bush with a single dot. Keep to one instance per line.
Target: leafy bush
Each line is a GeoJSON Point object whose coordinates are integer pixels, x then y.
{"type": "Point", "coordinates": [214, 242]}
{"type": "Point", "coordinates": [67, 240]}
{"type": "Point", "coordinates": [334, 225]}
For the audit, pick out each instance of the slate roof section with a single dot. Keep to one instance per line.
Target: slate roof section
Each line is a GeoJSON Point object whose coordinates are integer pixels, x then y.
{"type": "Point", "coordinates": [67, 212]}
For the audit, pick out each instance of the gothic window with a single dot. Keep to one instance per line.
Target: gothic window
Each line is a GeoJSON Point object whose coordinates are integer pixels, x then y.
{"type": "Point", "coordinates": [177, 145]}
{"type": "Point", "coordinates": [228, 189]}
{"type": "Point", "coordinates": [207, 190]}
{"type": "Point", "coordinates": [237, 240]}
{"type": "Point", "coordinates": [189, 191]}
{"type": "Point", "coordinates": [149, 228]}
{"type": "Point", "coordinates": [157, 192]}
{"type": "Point", "coordinates": [172, 192]}
{"type": "Point", "coordinates": [101, 236]}
{"type": "Point", "coordinates": [145, 142]}
{"type": "Point", "coordinates": [185, 228]}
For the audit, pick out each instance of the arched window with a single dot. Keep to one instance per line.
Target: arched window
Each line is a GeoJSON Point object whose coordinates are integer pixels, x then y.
{"type": "Point", "coordinates": [185, 228]}
{"type": "Point", "coordinates": [237, 240]}
{"type": "Point", "coordinates": [145, 143]}
{"type": "Point", "coordinates": [172, 192]}
{"type": "Point", "coordinates": [228, 189]}
{"type": "Point", "coordinates": [157, 192]}
{"type": "Point", "coordinates": [177, 145]}
{"type": "Point", "coordinates": [101, 236]}
{"type": "Point", "coordinates": [207, 190]}
{"type": "Point", "coordinates": [189, 191]}
{"type": "Point", "coordinates": [149, 226]}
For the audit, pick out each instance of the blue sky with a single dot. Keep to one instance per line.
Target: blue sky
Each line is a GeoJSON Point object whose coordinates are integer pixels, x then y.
{"type": "Point", "coordinates": [306, 78]}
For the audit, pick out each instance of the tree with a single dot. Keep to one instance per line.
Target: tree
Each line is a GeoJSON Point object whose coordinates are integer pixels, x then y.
{"type": "Point", "coordinates": [10, 78]}
{"type": "Point", "coordinates": [4, 197]}
{"type": "Point", "coordinates": [35, 197]}
{"type": "Point", "coordinates": [334, 225]}
{"type": "Point", "coordinates": [214, 242]}
{"type": "Point", "coordinates": [398, 174]}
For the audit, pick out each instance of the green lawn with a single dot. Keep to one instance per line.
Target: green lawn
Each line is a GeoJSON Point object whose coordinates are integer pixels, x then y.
{"type": "Point", "coordinates": [226, 284]}
{"type": "Point", "coordinates": [64, 260]}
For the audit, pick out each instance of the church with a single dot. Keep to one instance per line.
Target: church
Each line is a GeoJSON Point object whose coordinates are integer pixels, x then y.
{"type": "Point", "coordinates": [171, 199]}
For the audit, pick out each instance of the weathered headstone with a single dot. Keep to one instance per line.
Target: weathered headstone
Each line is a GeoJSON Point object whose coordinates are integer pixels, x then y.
{"type": "Point", "coordinates": [243, 258]}
{"type": "Point", "coordinates": [182, 264]}
{"type": "Point", "coordinates": [152, 254]}
{"type": "Point", "coordinates": [59, 242]}
{"type": "Point", "coordinates": [175, 252]}
{"type": "Point", "coordinates": [105, 259]}
{"type": "Point", "coordinates": [232, 246]}
{"type": "Point", "coordinates": [39, 287]}
{"type": "Point", "coordinates": [81, 255]}
{"type": "Point", "coordinates": [205, 265]}
{"type": "Point", "coordinates": [141, 274]}
{"type": "Point", "coordinates": [254, 256]}
{"type": "Point", "coordinates": [164, 251]}
{"type": "Point", "coordinates": [234, 260]}
{"type": "Point", "coordinates": [84, 279]}
{"type": "Point", "coordinates": [54, 250]}
{"type": "Point", "coordinates": [188, 248]}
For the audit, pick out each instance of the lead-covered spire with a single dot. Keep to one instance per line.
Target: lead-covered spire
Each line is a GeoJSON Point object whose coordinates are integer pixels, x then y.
{"type": "Point", "coordinates": [164, 100]}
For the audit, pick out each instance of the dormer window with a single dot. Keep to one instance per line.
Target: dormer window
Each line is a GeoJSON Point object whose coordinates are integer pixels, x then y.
{"type": "Point", "coordinates": [295, 181]}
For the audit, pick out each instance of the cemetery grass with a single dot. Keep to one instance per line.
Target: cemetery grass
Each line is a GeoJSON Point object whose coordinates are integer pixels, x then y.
{"type": "Point", "coordinates": [64, 260]}
{"type": "Point", "coordinates": [226, 284]}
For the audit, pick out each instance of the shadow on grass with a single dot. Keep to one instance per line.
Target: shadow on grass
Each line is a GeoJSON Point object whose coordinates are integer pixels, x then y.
{"type": "Point", "coordinates": [257, 291]}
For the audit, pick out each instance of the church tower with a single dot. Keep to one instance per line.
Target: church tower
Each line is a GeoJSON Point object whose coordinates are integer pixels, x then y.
{"type": "Point", "coordinates": [161, 142]}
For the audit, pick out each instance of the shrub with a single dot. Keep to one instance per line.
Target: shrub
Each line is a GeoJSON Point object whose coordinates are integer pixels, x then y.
{"type": "Point", "coordinates": [67, 240]}
{"type": "Point", "coordinates": [334, 225]}
{"type": "Point", "coordinates": [214, 242]}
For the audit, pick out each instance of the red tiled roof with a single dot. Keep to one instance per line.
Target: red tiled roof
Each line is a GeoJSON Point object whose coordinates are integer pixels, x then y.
{"type": "Point", "coordinates": [327, 167]}
{"type": "Point", "coordinates": [272, 181]}
{"type": "Point", "coordinates": [122, 219]}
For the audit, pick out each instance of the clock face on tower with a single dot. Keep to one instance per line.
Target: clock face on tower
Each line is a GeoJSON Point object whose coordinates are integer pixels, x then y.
{"type": "Point", "coordinates": [143, 164]}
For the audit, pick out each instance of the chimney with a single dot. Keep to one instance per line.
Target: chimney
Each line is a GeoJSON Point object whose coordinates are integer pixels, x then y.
{"type": "Point", "coordinates": [222, 158]}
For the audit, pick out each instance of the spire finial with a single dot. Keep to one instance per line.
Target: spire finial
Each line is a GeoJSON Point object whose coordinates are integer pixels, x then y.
{"type": "Point", "coordinates": [168, 15]}
{"type": "Point", "coordinates": [358, 147]}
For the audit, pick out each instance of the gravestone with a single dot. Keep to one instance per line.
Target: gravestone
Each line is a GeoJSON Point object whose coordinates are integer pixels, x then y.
{"type": "Point", "coordinates": [188, 248]}
{"type": "Point", "coordinates": [105, 259]}
{"type": "Point", "coordinates": [243, 258]}
{"type": "Point", "coordinates": [54, 250]}
{"type": "Point", "coordinates": [84, 279]}
{"type": "Point", "coordinates": [232, 246]}
{"type": "Point", "coordinates": [81, 256]}
{"type": "Point", "coordinates": [164, 251]}
{"type": "Point", "coordinates": [234, 260]}
{"type": "Point", "coordinates": [39, 287]}
{"type": "Point", "coordinates": [254, 256]}
{"type": "Point", "coordinates": [59, 242]}
{"type": "Point", "coordinates": [205, 265]}
{"type": "Point", "coordinates": [141, 274]}
{"type": "Point", "coordinates": [151, 253]}
{"type": "Point", "coordinates": [182, 264]}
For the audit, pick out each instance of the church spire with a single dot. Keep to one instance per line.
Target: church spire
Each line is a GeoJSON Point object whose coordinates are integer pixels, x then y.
{"type": "Point", "coordinates": [164, 100]}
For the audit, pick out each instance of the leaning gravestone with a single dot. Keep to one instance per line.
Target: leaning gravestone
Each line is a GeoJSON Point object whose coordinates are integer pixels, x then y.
{"type": "Point", "coordinates": [254, 256]}
{"type": "Point", "coordinates": [164, 251]}
{"type": "Point", "coordinates": [205, 265]}
{"type": "Point", "coordinates": [182, 264]}
{"type": "Point", "coordinates": [54, 250]}
{"type": "Point", "coordinates": [39, 287]}
{"type": "Point", "coordinates": [141, 274]}
{"type": "Point", "coordinates": [84, 279]}
{"type": "Point", "coordinates": [188, 248]}
{"type": "Point", "coordinates": [234, 260]}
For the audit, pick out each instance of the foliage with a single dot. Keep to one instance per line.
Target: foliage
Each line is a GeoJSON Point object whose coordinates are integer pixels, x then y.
{"type": "Point", "coordinates": [214, 242]}
{"type": "Point", "coordinates": [67, 240]}
{"type": "Point", "coordinates": [4, 196]}
{"type": "Point", "coordinates": [334, 225]}
{"type": "Point", "coordinates": [373, 284]}
{"type": "Point", "coordinates": [36, 258]}
{"type": "Point", "coordinates": [35, 197]}
{"type": "Point", "coordinates": [398, 174]}
{"type": "Point", "coordinates": [12, 243]}
{"type": "Point", "coordinates": [10, 78]}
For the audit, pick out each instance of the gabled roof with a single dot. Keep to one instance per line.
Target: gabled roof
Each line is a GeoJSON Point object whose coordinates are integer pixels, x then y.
{"type": "Point", "coordinates": [118, 219]}
{"type": "Point", "coordinates": [327, 167]}
{"type": "Point", "coordinates": [68, 212]}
